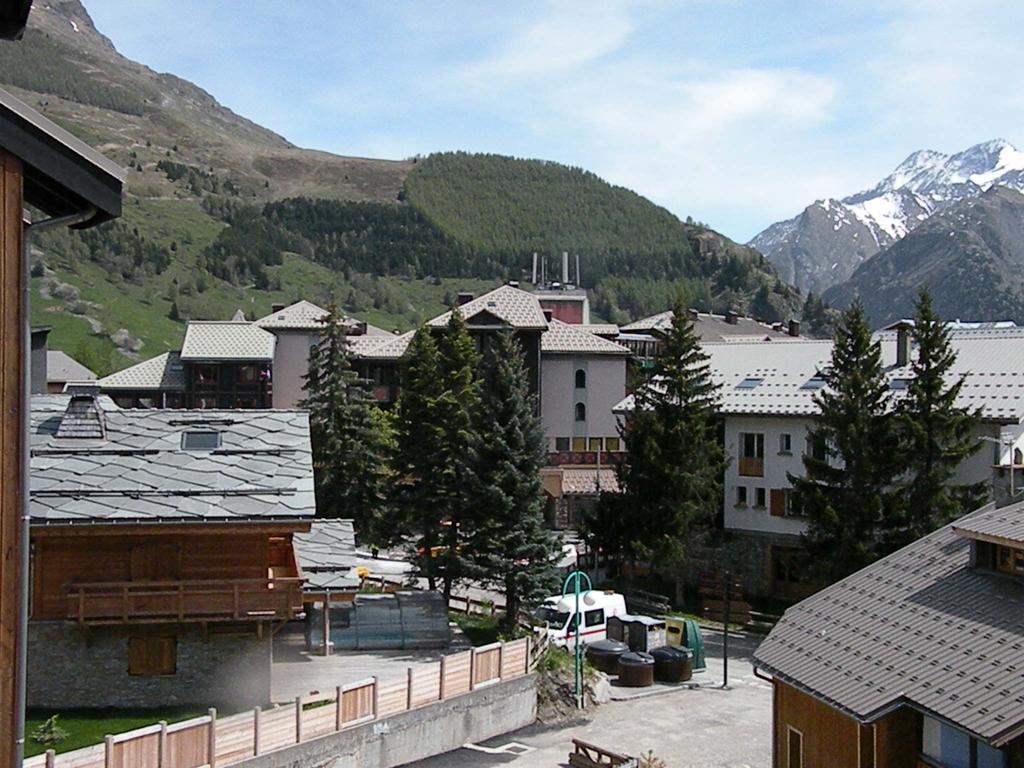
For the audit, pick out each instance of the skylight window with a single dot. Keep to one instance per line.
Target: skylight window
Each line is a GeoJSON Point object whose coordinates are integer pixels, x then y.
{"type": "Point", "coordinates": [200, 440]}
{"type": "Point", "coordinates": [816, 382]}
{"type": "Point", "coordinates": [749, 383]}
{"type": "Point", "coordinates": [899, 384]}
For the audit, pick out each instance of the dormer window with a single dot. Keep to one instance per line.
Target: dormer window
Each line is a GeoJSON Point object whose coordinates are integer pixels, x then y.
{"type": "Point", "coordinates": [1009, 560]}
{"type": "Point", "coordinates": [997, 540]}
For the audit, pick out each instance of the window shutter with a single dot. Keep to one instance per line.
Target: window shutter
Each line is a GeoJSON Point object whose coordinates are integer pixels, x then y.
{"type": "Point", "coordinates": [778, 503]}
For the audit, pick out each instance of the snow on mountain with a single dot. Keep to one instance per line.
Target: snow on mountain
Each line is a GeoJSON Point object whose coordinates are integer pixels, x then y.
{"type": "Point", "coordinates": [818, 249]}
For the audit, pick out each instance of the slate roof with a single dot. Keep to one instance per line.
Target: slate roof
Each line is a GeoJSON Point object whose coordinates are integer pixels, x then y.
{"type": "Point", "coordinates": [388, 347]}
{"type": "Point", "coordinates": [600, 329]}
{"type": "Point", "coordinates": [140, 474]}
{"type": "Point", "coordinates": [513, 306]}
{"type": "Point", "coordinates": [300, 315]}
{"type": "Point", "coordinates": [919, 627]}
{"type": "Point", "coordinates": [989, 360]}
{"type": "Point", "coordinates": [62, 367]}
{"type": "Point", "coordinates": [1006, 525]}
{"type": "Point", "coordinates": [585, 481]}
{"type": "Point", "coordinates": [564, 338]}
{"type": "Point", "coordinates": [327, 555]}
{"type": "Point", "coordinates": [163, 372]}
{"type": "Point", "coordinates": [710, 327]}
{"type": "Point", "coordinates": [227, 340]}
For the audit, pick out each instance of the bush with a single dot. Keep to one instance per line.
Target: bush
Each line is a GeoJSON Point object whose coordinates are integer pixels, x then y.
{"type": "Point", "coordinates": [49, 733]}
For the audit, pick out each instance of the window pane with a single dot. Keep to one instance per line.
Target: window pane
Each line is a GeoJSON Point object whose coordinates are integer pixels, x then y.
{"type": "Point", "coordinates": [611, 443]}
{"type": "Point", "coordinates": [593, 618]}
{"type": "Point", "coordinates": [594, 444]}
{"type": "Point", "coordinates": [561, 443]}
{"type": "Point", "coordinates": [579, 443]}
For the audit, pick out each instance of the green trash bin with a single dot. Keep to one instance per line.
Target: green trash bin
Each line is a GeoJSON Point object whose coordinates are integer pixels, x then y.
{"type": "Point", "coordinates": [695, 642]}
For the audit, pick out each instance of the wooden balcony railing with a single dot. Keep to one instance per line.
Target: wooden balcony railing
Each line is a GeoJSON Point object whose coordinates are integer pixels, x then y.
{"type": "Point", "coordinates": [142, 602]}
{"type": "Point", "coordinates": [751, 466]}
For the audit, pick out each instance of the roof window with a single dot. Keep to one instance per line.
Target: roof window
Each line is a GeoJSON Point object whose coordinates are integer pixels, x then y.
{"type": "Point", "coordinates": [899, 384]}
{"type": "Point", "coordinates": [749, 383]}
{"type": "Point", "coordinates": [200, 440]}
{"type": "Point", "coordinates": [815, 382]}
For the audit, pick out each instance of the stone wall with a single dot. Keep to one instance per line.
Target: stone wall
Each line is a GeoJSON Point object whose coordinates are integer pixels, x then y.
{"type": "Point", "coordinates": [71, 666]}
{"type": "Point", "coordinates": [416, 734]}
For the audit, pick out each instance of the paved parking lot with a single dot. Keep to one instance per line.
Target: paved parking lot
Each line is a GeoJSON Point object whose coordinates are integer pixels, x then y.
{"type": "Point", "coordinates": [686, 728]}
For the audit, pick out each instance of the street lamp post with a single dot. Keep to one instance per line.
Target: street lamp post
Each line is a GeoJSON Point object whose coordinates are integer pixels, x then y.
{"type": "Point", "coordinates": [574, 582]}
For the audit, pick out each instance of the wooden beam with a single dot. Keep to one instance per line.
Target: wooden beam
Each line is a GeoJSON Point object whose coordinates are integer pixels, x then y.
{"type": "Point", "coordinates": [12, 381]}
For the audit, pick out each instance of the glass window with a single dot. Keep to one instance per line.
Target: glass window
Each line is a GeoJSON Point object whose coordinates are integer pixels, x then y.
{"type": "Point", "coordinates": [581, 379]}
{"type": "Point", "coordinates": [593, 618]}
{"type": "Point", "coordinates": [816, 448]}
{"type": "Point", "coordinates": [741, 495]}
{"type": "Point", "coordinates": [945, 744]}
{"type": "Point", "coordinates": [579, 443]}
{"type": "Point", "coordinates": [794, 749]}
{"type": "Point", "coordinates": [554, 618]}
{"type": "Point", "coordinates": [248, 374]}
{"type": "Point", "coordinates": [594, 444]}
{"type": "Point", "coordinates": [206, 376]}
{"type": "Point", "coordinates": [611, 444]}
{"type": "Point", "coordinates": [561, 443]}
{"type": "Point", "coordinates": [1010, 561]}
{"type": "Point", "coordinates": [814, 383]}
{"type": "Point", "coordinates": [197, 440]}
{"type": "Point", "coordinates": [752, 445]}
{"type": "Point", "coordinates": [581, 412]}
{"type": "Point", "coordinates": [785, 443]}
{"type": "Point", "coordinates": [759, 497]}
{"type": "Point", "coordinates": [990, 757]}
{"type": "Point", "coordinates": [749, 383]}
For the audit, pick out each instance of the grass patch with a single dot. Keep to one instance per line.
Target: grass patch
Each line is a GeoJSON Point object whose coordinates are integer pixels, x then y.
{"type": "Point", "coordinates": [89, 726]}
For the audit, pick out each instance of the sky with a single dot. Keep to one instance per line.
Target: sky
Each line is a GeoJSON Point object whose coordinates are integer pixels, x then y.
{"type": "Point", "coordinates": [735, 113]}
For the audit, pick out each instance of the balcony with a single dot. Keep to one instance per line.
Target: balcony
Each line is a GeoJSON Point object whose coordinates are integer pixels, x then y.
{"type": "Point", "coordinates": [162, 602]}
{"type": "Point", "coordinates": [751, 466]}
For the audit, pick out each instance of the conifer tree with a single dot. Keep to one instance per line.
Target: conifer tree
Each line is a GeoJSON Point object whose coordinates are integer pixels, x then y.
{"type": "Point", "coordinates": [459, 365]}
{"type": "Point", "coordinates": [417, 461]}
{"type": "Point", "coordinates": [936, 434]}
{"type": "Point", "coordinates": [671, 474]}
{"type": "Point", "coordinates": [851, 469]}
{"type": "Point", "coordinates": [349, 446]}
{"type": "Point", "coordinates": [508, 543]}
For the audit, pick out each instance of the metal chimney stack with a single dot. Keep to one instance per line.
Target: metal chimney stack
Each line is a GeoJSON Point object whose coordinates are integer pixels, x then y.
{"type": "Point", "coordinates": [578, 281]}
{"type": "Point", "coordinates": [565, 267]}
{"type": "Point", "coordinates": [534, 281]}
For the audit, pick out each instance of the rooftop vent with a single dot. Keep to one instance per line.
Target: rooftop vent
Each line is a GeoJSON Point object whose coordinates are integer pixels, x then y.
{"type": "Point", "coordinates": [200, 440]}
{"type": "Point", "coordinates": [794, 328]}
{"type": "Point", "coordinates": [732, 318]}
{"type": "Point", "coordinates": [84, 418]}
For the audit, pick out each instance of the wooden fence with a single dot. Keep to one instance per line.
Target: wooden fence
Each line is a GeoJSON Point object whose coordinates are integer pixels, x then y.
{"type": "Point", "coordinates": [220, 741]}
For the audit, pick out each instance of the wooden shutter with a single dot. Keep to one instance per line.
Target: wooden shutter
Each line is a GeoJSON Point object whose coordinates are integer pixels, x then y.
{"type": "Point", "coordinates": [778, 503]}
{"type": "Point", "coordinates": [149, 656]}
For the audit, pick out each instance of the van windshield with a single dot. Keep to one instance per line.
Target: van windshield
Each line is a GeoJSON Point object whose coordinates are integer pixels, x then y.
{"type": "Point", "coordinates": [555, 619]}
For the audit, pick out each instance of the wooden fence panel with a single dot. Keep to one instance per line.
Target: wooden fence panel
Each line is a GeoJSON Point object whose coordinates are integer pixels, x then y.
{"type": "Point", "coordinates": [513, 658]}
{"type": "Point", "coordinates": [458, 673]}
{"type": "Point", "coordinates": [487, 664]}
{"type": "Point", "coordinates": [186, 746]}
{"type": "Point", "coordinates": [88, 757]}
{"type": "Point", "coordinates": [357, 703]}
{"type": "Point", "coordinates": [141, 751]}
{"type": "Point", "coordinates": [277, 729]}
{"type": "Point", "coordinates": [234, 738]}
{"type": "Point", "coordinates": [426, 684]}
{"type": "Point", "coordinates": [391, 696]}
{"type": "Point", "coordinates": [318, 721]}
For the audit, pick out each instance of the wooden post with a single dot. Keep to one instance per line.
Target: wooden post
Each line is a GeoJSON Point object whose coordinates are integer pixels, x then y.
{"type": "Point", "coordinates": [12, 382]}
{"type": "Point", "coordinates": [108, 751]}
{"type": "Point", "coordinates": [440, 685]}
{"type": "Point", "coordinates": [408, 688]}
{"type": "Point", "coordinates": [51, 758]}
{"type": "Point", "coordinates": [529, 650]}
{"type": "Point", "coordinates": [501, 652]}
{"type": "Point", "coordinates": [339, 718]}
{"type": "Point", "coordinates": [298, 719]}
{"type": "Point", "coordinates": [211, 740]}
{"type": "Point", "coordinates": [256, 731]}
{"type": "Point", "coordinates": [327, 622]}
{"type": "Point", "coordinates": [376, 695]}
{"type": "Point", "coordinates": [472, 668]}
{"type": "Point", "coordinates": [161, 745]}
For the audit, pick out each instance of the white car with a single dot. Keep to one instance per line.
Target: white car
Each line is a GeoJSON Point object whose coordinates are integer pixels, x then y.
{"type": "Point", "coordinates": [559, 613]}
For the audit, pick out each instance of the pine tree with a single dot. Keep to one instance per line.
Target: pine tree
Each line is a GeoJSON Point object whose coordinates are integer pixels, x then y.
{"type": "Point", "coordinates": [417, 504]}
{"type": "Point", "coordinates": [847, 492]}
{"type": "Point", "coordinates": [349, 447]}
{"type": "Point", "coordinates": [459, 364]}
{"type": "Point", "coordinates": [508, 545]}
{"type": "Point", "coordinates": [671, 474]}
{"type": "Point", "coordinates": [936, 434]}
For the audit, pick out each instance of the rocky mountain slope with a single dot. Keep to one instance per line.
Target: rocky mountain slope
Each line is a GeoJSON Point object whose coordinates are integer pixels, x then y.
{"type": "Point", "coordinates": [970, 256]}
{"type": "Point", "coordinates": [831, 238]}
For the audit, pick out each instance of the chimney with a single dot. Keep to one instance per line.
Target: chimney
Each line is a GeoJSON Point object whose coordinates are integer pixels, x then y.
{"type": "Point", "coordinates": [84, 418]}
{"type": "Point", "coordinates": [513, 283]}
{"type": "Point", "coordinates": [534, 281]}
{"type": "Point", "coordinates": [565, 267]}
{"type": "Point", "coordinates": [359, 328]}
{"type": "Point", "coordinates": [902, 345]}
{"type": "Point", "coordinates": [277, 307]}
{"type": "Point", "coordinates": [38, 367]}
{"type": "Point", "coordinates": [464, 297]}
{"type": "Point", "coordinates": [549, 314]}
{"type": "Point", "coordinates": [578, 279]}
{"type": "Point", "coordinates": [794, 328]}
{"type": "Point", "coordinates": [731, 317]}
{"type": "Point", "coordinates": [694, 314]}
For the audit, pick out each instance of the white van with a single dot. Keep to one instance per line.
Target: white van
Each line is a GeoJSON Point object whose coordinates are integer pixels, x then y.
{"type": "Point", "coordinates": [595, 606]}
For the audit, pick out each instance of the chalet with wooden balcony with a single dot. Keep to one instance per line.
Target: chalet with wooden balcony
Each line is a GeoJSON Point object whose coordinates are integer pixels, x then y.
{"type": "Point", "coordinates": [162, 550]}
{"type": "Point", "coordinates": [916, 661]}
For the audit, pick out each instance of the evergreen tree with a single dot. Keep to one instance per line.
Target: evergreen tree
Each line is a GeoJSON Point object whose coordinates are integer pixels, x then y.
{"type": "Point", "coordinates": [509, 545]}
{"type": "Point", "coordinates": [418, 506]}
{"type": "Point", "coordinates": [456, 406]}
{"type": "Point", "coordinates": [671, 473]}
{"type": "Point", "coordinates": [847, 492]}
{"type": "Point", "coordinates": [349, 447]}
{"type": "Point", "coordinates": [936, 434]}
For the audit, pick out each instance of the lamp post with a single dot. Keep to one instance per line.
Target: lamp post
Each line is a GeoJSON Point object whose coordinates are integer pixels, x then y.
{"type": "Point", "coordinates": [573, 582]}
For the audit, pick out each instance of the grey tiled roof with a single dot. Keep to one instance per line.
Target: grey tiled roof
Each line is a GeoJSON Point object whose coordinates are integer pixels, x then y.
{"type": "Point", "coordinates": [301, 314]}
{"type": "Point", "coordinates": [919, 627]}
{"type": "Point", "coordinates": [62, 367]}
{"type": "Point", "coordinates": [601, 329]}
{"type": "Point", "coordinates": [710, 327]}
{"type": "Point", "coordinates": [1006, 524]}
{"type": "Point", "coordinates": [513, 306]}
{"type": "Point", "coordinates": [139, 473]}
{"type": "Point", "coordinates": [163, 372]}
{"type": "Point", "coordinates": [388, 347]}
{"type": "Point", "coordinates": [327, 554]}
{"type": "Point", "coordinates": [563, 338]}
{"type": "Point", "coordinates": [226, 340]}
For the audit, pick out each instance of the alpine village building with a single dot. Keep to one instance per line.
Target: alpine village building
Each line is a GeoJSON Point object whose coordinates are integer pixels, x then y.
{"type": "Point", "coordinates": [913, 662]}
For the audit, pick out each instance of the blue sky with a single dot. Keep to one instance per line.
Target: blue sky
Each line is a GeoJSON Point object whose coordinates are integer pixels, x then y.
{"type": "Point", "coordinates": [736, 113]}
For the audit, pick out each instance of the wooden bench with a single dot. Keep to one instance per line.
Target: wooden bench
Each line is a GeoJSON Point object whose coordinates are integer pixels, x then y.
{"type": "Point", "coordinates": [586, 755]}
